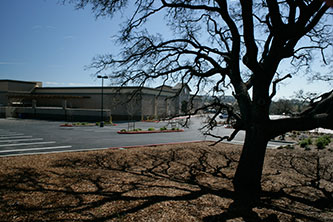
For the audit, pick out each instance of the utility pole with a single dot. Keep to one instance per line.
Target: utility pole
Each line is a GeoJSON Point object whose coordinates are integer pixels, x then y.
{"type": "Point", "coordinates": [102, 103]}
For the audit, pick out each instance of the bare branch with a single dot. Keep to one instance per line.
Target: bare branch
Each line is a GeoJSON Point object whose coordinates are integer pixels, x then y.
{"type": "Point", "coordinates": [276, 82]}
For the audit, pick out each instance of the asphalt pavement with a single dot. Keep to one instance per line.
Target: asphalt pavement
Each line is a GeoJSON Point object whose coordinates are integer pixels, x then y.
{"type": "Point", "coordinates": [25, 136]}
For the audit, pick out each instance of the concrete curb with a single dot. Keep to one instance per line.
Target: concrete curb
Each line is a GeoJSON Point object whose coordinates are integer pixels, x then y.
{"type": "Point", "coordinates": [282, 141]}
{"type": "Point", "coordinates": [146, 132]}
{"type": "Point", "coordinates": [159, 144]}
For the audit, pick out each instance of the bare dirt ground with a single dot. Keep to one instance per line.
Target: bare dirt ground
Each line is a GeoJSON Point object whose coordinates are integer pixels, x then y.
{"type": "Point", "coordinates": [185, 182]}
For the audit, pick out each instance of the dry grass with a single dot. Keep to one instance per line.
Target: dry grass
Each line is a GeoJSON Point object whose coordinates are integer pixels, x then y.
{"type": "Point", "coordinates": [185, 182]}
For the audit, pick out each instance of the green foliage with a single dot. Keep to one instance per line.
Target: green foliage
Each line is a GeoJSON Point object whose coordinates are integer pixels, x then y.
{"type": "Point", "coordinates": [305, 143]}
{"type": "Point", "coordinates": [323, 141]}
{"type": "Point", "coordinates": [123, 130]}
{"type": "Point", "coordinates": [163, 128]}
{"type": "Point", "coordinates": [151, 129]}
{"type": "Point", "coordinates": [137, 129]}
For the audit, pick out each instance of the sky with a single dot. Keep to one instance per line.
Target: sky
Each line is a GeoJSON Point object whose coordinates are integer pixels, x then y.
{"type": "Point", "coordinates": [42, 40]}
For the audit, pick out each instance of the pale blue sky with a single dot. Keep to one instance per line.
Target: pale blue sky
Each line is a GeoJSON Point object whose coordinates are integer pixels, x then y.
{"type": "Point", "coordinates": [45, 41]}
{"type": "Point", "coordinates": [42, 40]}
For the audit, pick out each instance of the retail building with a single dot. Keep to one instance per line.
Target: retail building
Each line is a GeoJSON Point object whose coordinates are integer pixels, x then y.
{"type": "Point", "coordinates": [25, 99]}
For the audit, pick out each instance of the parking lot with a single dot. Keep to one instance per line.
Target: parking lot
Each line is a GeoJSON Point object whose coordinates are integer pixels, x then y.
{"type": "Point", "coordinates": [25, 136]}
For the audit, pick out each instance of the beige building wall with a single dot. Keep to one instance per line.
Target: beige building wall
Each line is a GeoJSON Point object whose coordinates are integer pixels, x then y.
{"type": "Point", "coordinates": [22, 86]}
{"type": "Point", "coordinates": [13, 86]}
{"type": "Point", "coordinates": [148, 106]}
{"type": "Point", "coordinates": [151, 102]}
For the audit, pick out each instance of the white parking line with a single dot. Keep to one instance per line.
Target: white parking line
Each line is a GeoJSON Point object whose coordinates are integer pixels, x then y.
{"type": "Point", "coordinates": [12, 134]}
{"type": "Point", "coordinates": [31, 149]}
{"type": "Point", "coordinates": [14, 137]}
{"type": "Point", "coordinates": [20, 140]}
{"type": "Point", "coordinates": [23, 144]}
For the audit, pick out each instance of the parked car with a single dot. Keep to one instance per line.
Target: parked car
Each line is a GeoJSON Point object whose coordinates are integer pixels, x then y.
{"type": "Point", "coordinates": [223, 116]}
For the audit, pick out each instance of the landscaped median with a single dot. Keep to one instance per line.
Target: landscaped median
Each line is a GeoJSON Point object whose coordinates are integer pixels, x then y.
{"type": "Point", "coordinates": [150, 130]}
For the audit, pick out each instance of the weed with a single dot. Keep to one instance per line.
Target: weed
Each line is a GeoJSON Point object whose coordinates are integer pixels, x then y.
{"type": "Point", "coordinates": [289, 147]}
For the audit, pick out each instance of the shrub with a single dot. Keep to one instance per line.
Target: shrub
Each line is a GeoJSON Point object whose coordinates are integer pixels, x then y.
{"type": "Point", "coordinates": [122, 130]}
{"type": "Point", "coordinates": [323, 141]}
{"type": "Point", "coordinates": [305, 142]}
{"type": "Point", "coordinates": [151, 129]}
{"type": "Point", "coordinates": [163, 128]}
{"type": "Point", "coordinates": [320, 144]}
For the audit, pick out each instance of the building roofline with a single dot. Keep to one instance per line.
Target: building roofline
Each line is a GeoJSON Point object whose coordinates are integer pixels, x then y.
{"type": "Point", "coordinates": [21, 81]}
{"type": "Point", "coordinates": [99, 87]}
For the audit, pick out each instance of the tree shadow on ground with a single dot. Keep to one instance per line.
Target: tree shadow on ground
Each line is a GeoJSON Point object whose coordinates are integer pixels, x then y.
{"type": "Point", "coordinates": [146, 185]}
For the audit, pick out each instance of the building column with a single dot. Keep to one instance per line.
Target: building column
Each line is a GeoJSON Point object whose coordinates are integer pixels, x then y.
{"type": "Point", "coordinates": [167, 113]}
{"type": "Point", "coordinates": [155, 106]}
{"type": "Point", "coordinates": [64, 107]}
{"type": "Point", "coordinates": [64, 104]}
{"type": "Point", "coordinates": [34, 103]}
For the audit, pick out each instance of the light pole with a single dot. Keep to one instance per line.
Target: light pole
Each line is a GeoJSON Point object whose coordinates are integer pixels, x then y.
{"type": "Point", "coordinates": [102, 77]}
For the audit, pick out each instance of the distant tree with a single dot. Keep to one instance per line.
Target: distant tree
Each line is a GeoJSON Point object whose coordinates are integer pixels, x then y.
{"type": "Point", "coordinates": [218, 44]}
{"type": "Point", "coordinates": [282, 106]}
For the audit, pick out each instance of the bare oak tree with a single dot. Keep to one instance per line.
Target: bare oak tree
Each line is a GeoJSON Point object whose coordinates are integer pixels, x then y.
{"type": "Point", "coordinates": [219, 44]}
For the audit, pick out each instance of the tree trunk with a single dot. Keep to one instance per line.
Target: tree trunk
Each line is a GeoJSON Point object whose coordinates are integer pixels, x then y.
{"type": "Point", "coordinates": [247, 180]}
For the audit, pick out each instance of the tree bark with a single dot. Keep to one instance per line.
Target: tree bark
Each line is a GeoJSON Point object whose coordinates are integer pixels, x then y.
{"type": "Point", "coordinates": [247, 180]}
